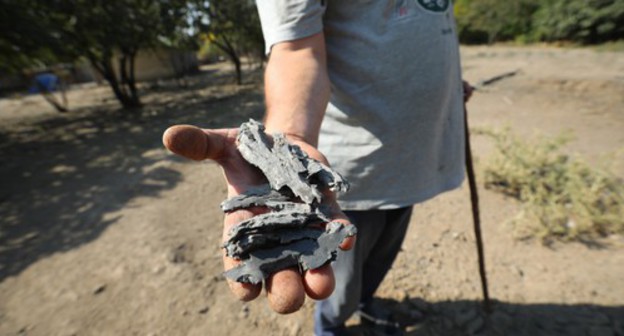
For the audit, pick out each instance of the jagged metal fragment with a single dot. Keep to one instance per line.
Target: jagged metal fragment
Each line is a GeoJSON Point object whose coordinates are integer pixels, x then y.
{"type": "Point", "coordinates": [255, 196]}
{"type": "Point", "coordinates": [290, 234]}
{"type": "Point", "coordinates": [307, 253]}
{"type": "Point", "coordinates": [281, 170]}
{"type": "Point", "coordinates": [276, 220]}
{"type": "Point", "coordinates": [284, 164]}
{"type": "Point", "coordinates": [253, 241]}
{"type": "Point", "coordinates": [320, 174]}
{"type": "Point", "coordinates": [328, 244]}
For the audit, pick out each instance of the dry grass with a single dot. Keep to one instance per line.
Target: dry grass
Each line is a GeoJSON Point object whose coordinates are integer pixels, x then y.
{"type": "Point", "coordinates": [563, 197]}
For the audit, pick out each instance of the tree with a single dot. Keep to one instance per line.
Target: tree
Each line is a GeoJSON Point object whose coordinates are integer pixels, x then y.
{"type": "Point", "coordinates": [98, 30]}
{"type": "Point", "coordinates": [494, 20]}
{"type": "Point", "coordinates": [104, 32]}
{"type": "Point", "coordinates": [25, 45]}
{"type": "Point", "coordinates": [586, 21]}
{"type": "Point", "coordinates": [234, 27]}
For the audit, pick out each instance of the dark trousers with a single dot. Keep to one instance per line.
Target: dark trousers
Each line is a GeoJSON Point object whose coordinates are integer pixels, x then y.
{"type": "Point", "coordinates": [360, 271]}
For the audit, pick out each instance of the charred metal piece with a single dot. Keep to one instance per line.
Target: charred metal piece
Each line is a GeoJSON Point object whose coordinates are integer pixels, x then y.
{"type": "Point", "coordinates": [286, 165]}
{"type": "Point", "coordinates": [256, 196]}
{"type": "Point", "coordinates": [295, 231]}
{"type": "Point", "coordinates": [305, 253]}
{"type": "Point", "coordinates": [272, 221]}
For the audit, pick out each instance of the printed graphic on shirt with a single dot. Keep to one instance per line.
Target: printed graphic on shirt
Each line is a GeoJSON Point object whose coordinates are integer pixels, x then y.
{"type": "Point", "coordinates": [437, 6]}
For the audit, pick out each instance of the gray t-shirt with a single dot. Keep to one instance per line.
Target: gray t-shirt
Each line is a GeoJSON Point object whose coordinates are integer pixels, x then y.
{"type": "Point", "coordinates": [394, 124]}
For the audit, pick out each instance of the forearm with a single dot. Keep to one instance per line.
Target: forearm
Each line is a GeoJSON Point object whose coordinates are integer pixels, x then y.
{"type": "Point", "coordinates": [297, 88]}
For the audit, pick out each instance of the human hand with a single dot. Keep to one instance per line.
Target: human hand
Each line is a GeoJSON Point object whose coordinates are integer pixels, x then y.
{"type": "Point", "coordinates": [468, 90]}
{"type": "Point", "coordinates": [286, 289]}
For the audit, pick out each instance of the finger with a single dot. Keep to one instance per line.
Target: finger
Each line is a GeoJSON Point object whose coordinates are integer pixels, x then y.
{"type": "Point", "coordinates": [242, 291]}
{"type": "Point", "coordinates": [349, 241]}
{"type": "Point", "coordinates": [196, 144]}
{"type": "Point", "coordinates": [285, 291]}
{"type": "Point", "coordinates": [319, 283]}
{"type": "Point", "coordinates": [468, 90]}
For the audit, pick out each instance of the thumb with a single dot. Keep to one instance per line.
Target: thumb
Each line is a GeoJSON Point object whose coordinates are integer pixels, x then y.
{"type": "Point", "coordinates": [198, 144]}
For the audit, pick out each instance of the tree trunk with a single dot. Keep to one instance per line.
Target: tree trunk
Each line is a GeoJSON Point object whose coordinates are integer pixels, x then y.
{"type": "Point", "coordinates": [126, 71]}
{"type": "Point", "coordinates": [131, 79]}
{"type": "Point", "coordinates": [233, 55]}
{"type": "Point", "coordinates": [239, 71]}
{"type": "Point", "coordinates": [105, 68]}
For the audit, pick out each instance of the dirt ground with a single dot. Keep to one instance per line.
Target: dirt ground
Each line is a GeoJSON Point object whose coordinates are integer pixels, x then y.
{"type": "Point", "coordinates": [105, 233]}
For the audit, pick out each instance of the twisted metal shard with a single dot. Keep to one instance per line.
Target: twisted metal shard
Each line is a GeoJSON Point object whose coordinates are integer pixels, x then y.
{"type": "Point", "coordinates": [295, 232]}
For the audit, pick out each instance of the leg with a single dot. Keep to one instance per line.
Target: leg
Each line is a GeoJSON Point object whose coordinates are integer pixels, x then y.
{"type": "Point", "coordinates": [386, 249]}
{"type": "Point", "coordinates": [351, 281]}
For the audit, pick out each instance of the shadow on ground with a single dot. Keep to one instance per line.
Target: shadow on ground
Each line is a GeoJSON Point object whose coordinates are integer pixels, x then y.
{"type": "Point", "coordinates": [468, 318]}
{"type": "Point", "coordinates": [64, 176]}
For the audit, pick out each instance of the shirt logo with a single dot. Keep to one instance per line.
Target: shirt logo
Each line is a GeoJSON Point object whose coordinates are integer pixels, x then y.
{"type": "Point", "coordinates": [435, 5]}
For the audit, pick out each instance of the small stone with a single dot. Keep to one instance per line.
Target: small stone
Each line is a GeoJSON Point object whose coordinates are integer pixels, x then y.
{"type": "Point", "coordinates": [100, 289]}
{"type": "Point", "coordinates": [24, 330]}
{"type": "Point", "coordinates": [517, 270]}
{"type": "Point", "coordinates": [178, 254]}
{"type": "Point", "coordinates": [204, 310]}
{"type": "Point", "coordinates": [245, 311]}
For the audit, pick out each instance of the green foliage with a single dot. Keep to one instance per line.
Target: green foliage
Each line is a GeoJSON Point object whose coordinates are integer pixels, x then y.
{"type": "Point", "coordinates": [25, 40]}
{"type": "Point", "coordinates": [234, 28]}
{"type": "Point", "coordinates": [585, 21]}
{"type": "Point", "coordinates": [562, 196]}
{"type": "Point", "coordinates": [494, 20]}
{"type": "Point", "coordinates": [104, 32]}
{"type": "Point", "coordinates": [209, 52]}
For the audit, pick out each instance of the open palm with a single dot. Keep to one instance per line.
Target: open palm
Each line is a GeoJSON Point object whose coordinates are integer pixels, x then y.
{"type": "Point", "coordinates": [286, 289]}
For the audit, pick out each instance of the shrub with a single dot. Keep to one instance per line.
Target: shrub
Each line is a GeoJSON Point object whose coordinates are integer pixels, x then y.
{"type": "Point", "coordinates": [562, 196]}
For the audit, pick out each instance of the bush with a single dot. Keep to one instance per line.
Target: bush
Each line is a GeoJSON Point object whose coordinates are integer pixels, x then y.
{"type": "Point", "coordinates": [584, 21]}
{"type": "Point", "coordinates": [562, 196]}
{"type": "Point", "coordinates": [490, 21]}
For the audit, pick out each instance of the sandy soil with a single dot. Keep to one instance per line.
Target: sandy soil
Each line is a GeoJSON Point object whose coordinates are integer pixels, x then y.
{"type": "Point", "coordinates": [105, 233]}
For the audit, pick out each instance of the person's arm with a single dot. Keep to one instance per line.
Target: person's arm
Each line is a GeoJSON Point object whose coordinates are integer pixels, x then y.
{"type": "Point", "coordinates": [297, 88]}
{"type": "Point", "coordinates": [297, 91]}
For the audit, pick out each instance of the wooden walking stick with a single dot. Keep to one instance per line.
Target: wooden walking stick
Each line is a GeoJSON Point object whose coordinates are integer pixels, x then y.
{"type": "Point", "coordinates": [474, 200]}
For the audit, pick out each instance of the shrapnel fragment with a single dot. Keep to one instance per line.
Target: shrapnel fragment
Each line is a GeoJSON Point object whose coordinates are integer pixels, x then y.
{"type": "Point", "coordinates": [285, 165]}
{"type": "Point", "coordinates": [307, 253]}
{"type": "Point", "coordinates": [256, 196]}
{"type": "Point", "coordinates": [320, 174]}
{"type": "Point", "coordinates": [272, 221]}
{"type": "Point", "coordinates": [291, 233]}
{"type": "Point", "coordinates": [253, 241]}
